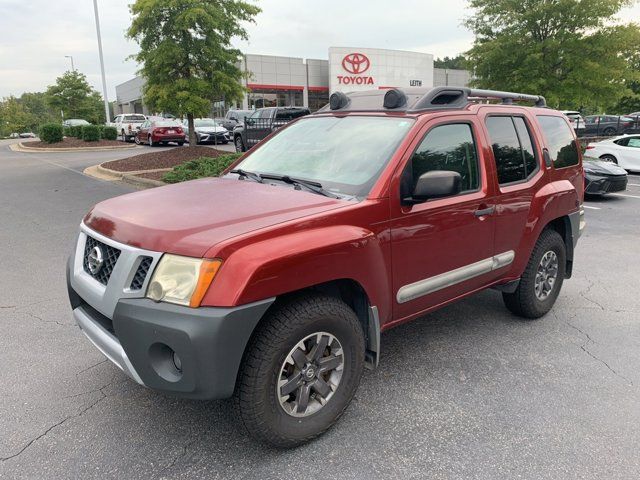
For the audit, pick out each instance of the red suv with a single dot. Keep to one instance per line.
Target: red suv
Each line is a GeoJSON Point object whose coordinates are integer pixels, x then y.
{"type": "Point", "coordinates": [273, 283]}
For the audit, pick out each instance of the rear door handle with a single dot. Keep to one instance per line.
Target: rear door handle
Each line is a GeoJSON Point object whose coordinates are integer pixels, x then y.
{"type": "Point", "coordinates": [485, 211]}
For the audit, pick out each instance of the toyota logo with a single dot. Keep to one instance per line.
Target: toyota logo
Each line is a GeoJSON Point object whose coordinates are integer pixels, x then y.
{"type": "Point", "coordinates": [95, 260]}
{"type": "Point", "coordinates": [356, 63]}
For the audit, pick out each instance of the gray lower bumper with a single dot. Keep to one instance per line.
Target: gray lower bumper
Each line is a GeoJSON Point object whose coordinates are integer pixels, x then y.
{"type": "Point", "coordinates": [106, 343]}
{"type": "Point", "coordinates": [577, 224]}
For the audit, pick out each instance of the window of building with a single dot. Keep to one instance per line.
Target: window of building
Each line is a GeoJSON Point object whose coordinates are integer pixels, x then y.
{"type": "Point", "coordinates": [318, 99]}
{"type": "Point", "coordinates": [560, 141]}
{"type": "Point", "coordinates": [261, 98]}
{"type": "Point", "coordinates": [446, 147]}
{"type": "Point", "coordinates": [512, 148]}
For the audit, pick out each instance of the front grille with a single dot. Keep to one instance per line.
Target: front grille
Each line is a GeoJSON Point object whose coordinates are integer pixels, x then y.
{"type": "Point", "coordinates": [109, 258]}
{"type": "Point", "coordinates": [617, 184]}
{"type": "Point", "coordinates": [141, 273]}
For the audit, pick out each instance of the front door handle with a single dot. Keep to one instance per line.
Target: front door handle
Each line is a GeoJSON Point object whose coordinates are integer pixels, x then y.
{"type": "Point", "coordinates": [485, 211]}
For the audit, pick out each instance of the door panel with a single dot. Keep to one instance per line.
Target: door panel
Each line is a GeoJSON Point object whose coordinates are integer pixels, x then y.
{"type": "Point", "coordinates": [441, 248]}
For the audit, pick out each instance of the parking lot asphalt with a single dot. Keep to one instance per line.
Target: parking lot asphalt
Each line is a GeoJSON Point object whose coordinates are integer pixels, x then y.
{"type": "Point", "coordinates": [466, 392]}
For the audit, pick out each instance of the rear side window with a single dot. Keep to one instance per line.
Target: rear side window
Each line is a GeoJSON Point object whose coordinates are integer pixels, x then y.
{"type": "Point", "coordinates": [560, 142]}
{"type": "Point", "coordinates": [447, 147]}
{"type": "Point", "coordinates": [634, 142]}
{"type": "Point", "coordinates": [512, 149]}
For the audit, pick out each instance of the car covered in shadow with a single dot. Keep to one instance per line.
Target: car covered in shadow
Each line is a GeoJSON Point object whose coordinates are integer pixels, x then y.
{"type": "Point", "coordinates": [207, 131]}
{"type": "Point", "coordinates": [602, 177]}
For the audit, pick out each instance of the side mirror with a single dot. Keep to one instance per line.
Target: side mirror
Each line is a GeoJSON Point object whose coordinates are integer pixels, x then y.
{"type": "Point", "coordinates": [435, 184]}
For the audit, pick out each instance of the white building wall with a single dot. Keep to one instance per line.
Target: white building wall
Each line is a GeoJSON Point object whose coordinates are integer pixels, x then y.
{"type": "Point", "coordinates": [386, 68]}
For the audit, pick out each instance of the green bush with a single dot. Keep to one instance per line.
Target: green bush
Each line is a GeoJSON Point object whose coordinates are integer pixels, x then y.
{"type": "Point", "coordinates": [110, 133]}
{"type": "Point", "coordinates": [200, 168]}
{"type": "Point", "coordinates": [51, 132]}
{"type": "Point", "coordinates": [91, 133]}
{"type": "Point", "coordinates": [66, 131]}
{"type": "Point", "coordinates": [75, 131]}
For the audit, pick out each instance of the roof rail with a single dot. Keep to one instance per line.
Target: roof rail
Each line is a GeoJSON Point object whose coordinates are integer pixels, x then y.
{"type": "Point", "coordinates": [458, 97]}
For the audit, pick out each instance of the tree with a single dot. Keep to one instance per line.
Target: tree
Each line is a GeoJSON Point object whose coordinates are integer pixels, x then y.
{"type": "Point", "coordinates": [185, 53]}
{"type": "Point", "coordinates": [13, 117]}
{"type": "Point", "coordinates": [455, 63]}
{"type": "Point", "coordinates": [73, 95]}
{"type": "Point", "coordinates": [570, 51]}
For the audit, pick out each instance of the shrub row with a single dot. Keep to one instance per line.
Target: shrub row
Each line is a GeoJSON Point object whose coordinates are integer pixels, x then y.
{"type": "Point", "coordinates": [200, 167]}
{"type": "Point", "coordinates": [91, 133]}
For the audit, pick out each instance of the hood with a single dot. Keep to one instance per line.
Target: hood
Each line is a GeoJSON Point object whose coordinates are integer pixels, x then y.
{"type": "Point", "coordinates": [189, 218]}
{"type": "Point", "coordinates": [210, 129]}
{"type": "Point", "coordinates": [600, 167]}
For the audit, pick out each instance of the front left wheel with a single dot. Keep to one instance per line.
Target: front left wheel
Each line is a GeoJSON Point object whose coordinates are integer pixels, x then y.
{"type": "Point", "coordinates": [301, 370]}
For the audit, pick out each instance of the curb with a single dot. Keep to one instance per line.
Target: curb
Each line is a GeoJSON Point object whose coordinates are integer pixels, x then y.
{"type": "Point", "coordinates": [20, 147]}
{"type": "Point", "coordinates": [98, 171]}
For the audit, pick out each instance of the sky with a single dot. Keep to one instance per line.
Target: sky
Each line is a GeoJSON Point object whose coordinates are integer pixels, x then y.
{"type": "Point", "coordinates": [36, 35]}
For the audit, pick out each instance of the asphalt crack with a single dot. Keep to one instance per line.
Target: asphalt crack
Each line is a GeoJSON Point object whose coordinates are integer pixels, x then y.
{"type": "Point", "coordinates": [181, 455]}
{"type": "Point", "coordinates": [61, 422]}
{"type": "Point", "coordinates": [583, 294]}
{"type": "Point", "coordinates": [92, 366]}
{"type": "Point", "coordinates": [584, 348]}
{"type": "Point", "coordinates": [32, 315]}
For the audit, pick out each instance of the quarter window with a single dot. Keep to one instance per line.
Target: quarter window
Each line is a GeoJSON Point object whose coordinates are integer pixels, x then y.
{"type": "Point", "coordinates": [512, 149]}
{"type": "Point", "coordinates": [560, 141]}
{"type": "Point", "coordinates": [447, 147]}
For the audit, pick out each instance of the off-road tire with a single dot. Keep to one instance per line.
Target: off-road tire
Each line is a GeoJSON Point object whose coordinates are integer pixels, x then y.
{"type": "Point", "coordinates": [255, 399]}
{"type": "Point", "coordinates": [524, 302]}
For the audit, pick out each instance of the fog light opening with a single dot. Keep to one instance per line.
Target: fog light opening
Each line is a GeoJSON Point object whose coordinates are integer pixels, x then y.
{"type": "Point", "coordinates": [177, 362]}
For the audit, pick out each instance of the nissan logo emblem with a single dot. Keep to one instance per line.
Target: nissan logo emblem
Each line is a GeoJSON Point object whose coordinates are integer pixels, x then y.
{"type": "Point", "coordinates": [95, 260]}
{"type": "Point", "coordinates": [356, 63]}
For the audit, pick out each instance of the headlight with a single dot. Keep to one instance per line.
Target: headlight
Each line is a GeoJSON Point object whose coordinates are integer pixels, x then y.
{"type": "Point", "coordinates": [182, 280]}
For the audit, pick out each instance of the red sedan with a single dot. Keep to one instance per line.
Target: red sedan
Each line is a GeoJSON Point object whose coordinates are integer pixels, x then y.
{"type": "Point", "coordinates": [158, 132]}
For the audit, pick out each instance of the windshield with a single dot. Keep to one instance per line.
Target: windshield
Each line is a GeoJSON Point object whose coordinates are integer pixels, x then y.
{"type": "Point", "coordinates": [346, 155]}
{"type": "Point", "coordinates": [205, 122]}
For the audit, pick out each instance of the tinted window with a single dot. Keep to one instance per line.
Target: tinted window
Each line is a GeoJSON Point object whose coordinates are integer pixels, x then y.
{"type": "Point", "coordinates": [528, 152]}
{"type": "Point", "coordinates": [290, 114]}
{"type": "Point", "coordinates": [622, 142]}
{"type": "Point", "coordinates": [560, 142]}
{"type": "Point", "coordinates": [506, 149]}
{"type": "Point", "coordinates": [447, 147]}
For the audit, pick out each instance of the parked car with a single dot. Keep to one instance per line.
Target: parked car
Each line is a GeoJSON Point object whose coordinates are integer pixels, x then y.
{"type": "Point", "coordinates": [74, 122]}
{"type": "Point", "coordinates": [608, 124]}
{"type": "Point", "coordinates": [233, 118]}
{"type": "Point", "coordinates": [128, 125]}
{"type": "Point", "coordinates": [274, 283]}
{"type": "Point", "coordinates": [14, 135]}
{"type": "Point", "coordinates": [159, 132]}
{"type": "Point", "coordinates": [263, 122]}
{"type": "Point", "coordinates": [27, 135]}
{"type": "Point", "coordinates": [576, 120]}
{"type": "Point", "coordinates": [207, 131]}
{"type": "Point", "coordinates": [601, 177]}
{"type": "Point", "coordinates": [623, 150]}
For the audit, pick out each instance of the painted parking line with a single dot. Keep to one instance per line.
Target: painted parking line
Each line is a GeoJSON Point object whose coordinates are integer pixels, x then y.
{"type": "Point", "coordinates": [633, 184]}
{"type": "Point", "coordinates": [623, 195]}
{"type": "Point", "coordinates": [592, 208]}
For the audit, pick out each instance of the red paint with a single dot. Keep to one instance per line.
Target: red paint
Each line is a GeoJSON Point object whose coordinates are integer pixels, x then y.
{"type": "Point", "coordinates": [264, 86]}
{"type": "Point", "coordinates": [318, 89]}
{"type": "Point", "coordinates": [160, 134]}
{"type": "Point", "coordinates": [275, 240]}
{"type": "Point", "coordinates": [356, 63]}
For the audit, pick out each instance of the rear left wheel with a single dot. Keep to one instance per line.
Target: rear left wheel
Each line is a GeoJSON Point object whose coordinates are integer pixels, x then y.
{"type": "Point", "coordinates": [300, 371]}
{"type": "Point", "coordinates": [542, 279]}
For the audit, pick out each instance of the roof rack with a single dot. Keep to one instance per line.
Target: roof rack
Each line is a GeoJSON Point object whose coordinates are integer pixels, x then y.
{"type": "Point", "coordinates": [413, 100]}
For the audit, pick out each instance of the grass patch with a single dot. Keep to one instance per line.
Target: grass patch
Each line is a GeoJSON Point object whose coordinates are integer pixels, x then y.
{"type": "Point", "coordinates": [200, 168]}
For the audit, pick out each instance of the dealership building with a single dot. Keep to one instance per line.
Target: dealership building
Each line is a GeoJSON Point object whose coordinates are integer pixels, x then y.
{"type": "Point", "coordinates": [289, 81]}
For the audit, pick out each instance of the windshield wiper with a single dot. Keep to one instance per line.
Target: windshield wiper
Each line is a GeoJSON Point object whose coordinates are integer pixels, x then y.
{"type": "Point", "coordinates": [315, 187]}
{"type": "Point", "coordinates": [246, 174]}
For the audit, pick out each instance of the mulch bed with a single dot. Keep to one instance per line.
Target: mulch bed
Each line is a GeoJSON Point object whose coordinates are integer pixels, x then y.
{"type": "Point", "coordinates": [163, 159]}
{"type": "Point", "coordinates": [70, 142]}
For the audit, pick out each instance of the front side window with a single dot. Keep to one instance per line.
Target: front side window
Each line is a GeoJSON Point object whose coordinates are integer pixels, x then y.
{"type": "Point", "coordinates": [446, 147]}
{"type": "Point", "coordinates": [313, 148]}
{"type": "Point", "coordinates": [561, 143]}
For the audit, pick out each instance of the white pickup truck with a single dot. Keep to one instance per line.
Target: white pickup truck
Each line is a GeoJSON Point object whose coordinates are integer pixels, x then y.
{"type": "Point", "coordinates": [128, 124]}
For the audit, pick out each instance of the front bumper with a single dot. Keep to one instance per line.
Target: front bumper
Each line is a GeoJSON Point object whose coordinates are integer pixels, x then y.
{"type": "Point", "coordinates": [141, 336]}
{"type": "Point", "coordinates": [601, 184]}
{"type": "Point", "coordinates": [213, 137]}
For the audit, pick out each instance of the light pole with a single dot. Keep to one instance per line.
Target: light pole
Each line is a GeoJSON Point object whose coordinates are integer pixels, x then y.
{"type": "Point", "coordinates": [104, 81]}
{"type": "Point", "coordinates": [71, 57]}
